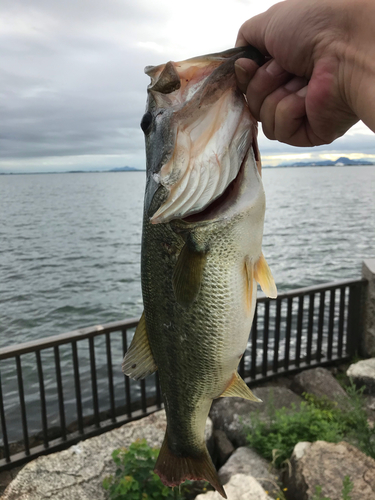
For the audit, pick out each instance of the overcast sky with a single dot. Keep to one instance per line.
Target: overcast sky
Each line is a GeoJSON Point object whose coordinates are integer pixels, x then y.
{"type": "Point", "coordinates": [72, 84]}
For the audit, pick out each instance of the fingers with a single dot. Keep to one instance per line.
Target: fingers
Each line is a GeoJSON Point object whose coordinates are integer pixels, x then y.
{"type": "Point", "coordinates": [275, 108]}
{"type": "Point", "coordinates": [264, 82]}
{"type": "Point", "coordinates": [277, 99]}
{"type": "Point", "coordinates": [284, 118]}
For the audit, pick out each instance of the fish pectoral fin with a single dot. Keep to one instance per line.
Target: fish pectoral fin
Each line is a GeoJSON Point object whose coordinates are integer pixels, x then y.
{"type": "Point", "coordinates": [175, 469]}
{"type": "Point", "coordinates": [139, 361]}
{"type": "Point", "coordinates": [187, 275]}
{"type": "Point", "coordinates": [238, 389]}
{"type": "Point", "coordinates": [263, 275]}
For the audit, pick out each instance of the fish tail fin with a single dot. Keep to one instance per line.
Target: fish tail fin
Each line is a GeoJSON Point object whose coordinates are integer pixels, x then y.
{"type": "Point", "coordinates": [174, 470]}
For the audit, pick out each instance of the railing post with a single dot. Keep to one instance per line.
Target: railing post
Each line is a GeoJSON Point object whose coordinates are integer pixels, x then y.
{"type": "Point", "coordinates": [355, 321]}
{"type": "Point", "coordinates": [368, 342]}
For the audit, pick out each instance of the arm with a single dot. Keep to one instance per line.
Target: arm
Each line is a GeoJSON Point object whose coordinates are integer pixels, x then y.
{"type": "Point", "coordinates": [321, 77]}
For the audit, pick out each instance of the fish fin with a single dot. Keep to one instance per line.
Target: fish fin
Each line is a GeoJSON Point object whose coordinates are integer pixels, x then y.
{"type": "Point", "coordinates": [249, 277]}
{"type": "Point", "coordinates": [238, 388]}
{"type": "Point", "coordinates": [263, 275]}
{"type": "Point", "coordinates": [174, 470]}
{"type": "Point", "coordinates": [187, 275]}
{"type": "Point", "coordinates": [139, 361]}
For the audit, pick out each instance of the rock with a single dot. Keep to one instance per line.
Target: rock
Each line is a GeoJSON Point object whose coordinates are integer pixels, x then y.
{"type": "Point", "coordinates": [240, 487]}
{"type": "Point", "coordinates": [223, 447]}
{"type": "Point", "coordinates": [232, 415]}
{"type": "Point", "coordinates": [370, 402]}
{"type": "Point", "coordinates": [321, 383]}
{"type": "Point", "coordinates": [326, 465]}
{"type": "Point", "coordinates": [368, 304]}
{"type": "Point", "coordinates": [363, 374]}
{"type": "Point", "coordinates": [78, 473]}
{"type": "Point", "coordinates": [246, 461]}
{"type": "Point", "coordinates": [7, 477]}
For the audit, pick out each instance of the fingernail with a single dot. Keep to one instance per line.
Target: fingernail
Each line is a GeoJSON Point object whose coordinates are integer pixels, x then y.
{"type": "Point", "coordinates": [274, 68]}
{"type": "Point", "coordinates": [302, 92]}
{"type": "Point", "coordinates": [294, 84]}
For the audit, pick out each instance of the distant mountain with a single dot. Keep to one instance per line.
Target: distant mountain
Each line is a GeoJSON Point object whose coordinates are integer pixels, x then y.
{"type": "Point", "coordinates": [327, 163]}
{"type": "Point", "coordinates": [124, 169]}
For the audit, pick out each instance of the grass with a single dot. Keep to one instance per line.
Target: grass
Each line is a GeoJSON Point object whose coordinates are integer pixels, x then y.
{"type": "Point", "coordinates": [315, 419]}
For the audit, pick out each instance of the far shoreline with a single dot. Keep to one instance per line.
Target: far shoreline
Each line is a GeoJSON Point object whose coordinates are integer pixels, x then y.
{"type": "Point", "coordinates": [144, 170]}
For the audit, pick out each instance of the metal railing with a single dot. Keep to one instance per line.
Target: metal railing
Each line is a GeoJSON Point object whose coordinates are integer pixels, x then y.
{"type": "Point", "coordinates": [71, 386]}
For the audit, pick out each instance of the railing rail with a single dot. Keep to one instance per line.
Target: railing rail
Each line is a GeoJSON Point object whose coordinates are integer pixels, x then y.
{"type": "Point", "coordinates": [79, 372]}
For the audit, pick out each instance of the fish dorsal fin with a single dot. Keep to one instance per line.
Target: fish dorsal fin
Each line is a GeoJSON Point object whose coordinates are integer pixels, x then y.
{"type": "Point", "coordinates": [249, 283]}
{"type": "Point", "coordinates": [263, 275]}
{"type": "Point", "coordinates": [187, 275]}
{"type": "Point", "coordinates": [238, 389]}
{"type": "Point", "coordinates": [139, 361]}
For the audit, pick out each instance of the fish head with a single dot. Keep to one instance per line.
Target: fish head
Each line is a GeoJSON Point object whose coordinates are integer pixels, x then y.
{"type": "Point", "coordinates": [198, 131]}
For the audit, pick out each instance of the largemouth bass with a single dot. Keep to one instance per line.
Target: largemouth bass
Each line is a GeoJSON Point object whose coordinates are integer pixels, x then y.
{"type": "Point", "coordinates": [201, 251]}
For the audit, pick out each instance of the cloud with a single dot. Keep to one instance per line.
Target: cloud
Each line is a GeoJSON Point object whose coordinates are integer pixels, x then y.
{"type": "Point", "coordinates": [72, 85]}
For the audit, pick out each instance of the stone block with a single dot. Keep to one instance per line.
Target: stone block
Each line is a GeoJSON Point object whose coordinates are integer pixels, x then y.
{"type": "Point", "coordinates": [363, 374]}
{"type": "Point", "coordinates": [240, 487]}
{"type": "Point", "coordinates": [326, 465]}
{"type": "Point", "coordinates": [247, 461]}
{"type": "Point", "coordinates": [321, 383]}
{"type": "Point", "coordinates": [233, 415]}
{"type": "Point", "coordinates": [78, 473]}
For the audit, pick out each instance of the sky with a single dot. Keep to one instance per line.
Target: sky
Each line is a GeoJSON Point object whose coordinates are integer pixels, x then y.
{"type": "Point", "coordinates": [72, 84]}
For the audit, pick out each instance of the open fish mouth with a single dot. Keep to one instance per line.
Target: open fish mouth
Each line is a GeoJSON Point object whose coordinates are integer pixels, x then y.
{"type": "Point", "coordinates": [218, 205]}
{"type": "Point", "coordinates": [212, 128]}
{"type": "Point", "coordinates": [230, 195]}
{"type": "Point", "coordinates": [207, 165]}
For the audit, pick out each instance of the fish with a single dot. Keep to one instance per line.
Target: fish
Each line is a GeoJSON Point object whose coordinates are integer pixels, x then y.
{"type": "Point", "coordinates": [201, 256]}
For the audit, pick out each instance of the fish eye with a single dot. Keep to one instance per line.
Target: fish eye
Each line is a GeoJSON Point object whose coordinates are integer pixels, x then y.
{"type": "Point", "coordinates": [146, 121]}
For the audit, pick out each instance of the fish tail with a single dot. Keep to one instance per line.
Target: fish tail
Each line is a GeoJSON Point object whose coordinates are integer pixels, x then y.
{"type": "Point", "coordinates": [173, 469]}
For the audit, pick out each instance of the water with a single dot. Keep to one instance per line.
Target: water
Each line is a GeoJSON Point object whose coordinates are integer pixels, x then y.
{"type": "Point", "coordinates": [70, 252]}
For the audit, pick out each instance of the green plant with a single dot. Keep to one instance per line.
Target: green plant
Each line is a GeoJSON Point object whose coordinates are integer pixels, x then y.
{"type": "Point", "coordinates": [355, 422]}
{"type": "Point", "coordinates": [276, 438]}
{"type": "Point", "coordinates": [315, 419]}
{"type": "Point", "coordinates": [318, 494]}
{"type": "Point", "coordinates": [134, 478]}
{"type": "Point", "coordinates": [347, 488]}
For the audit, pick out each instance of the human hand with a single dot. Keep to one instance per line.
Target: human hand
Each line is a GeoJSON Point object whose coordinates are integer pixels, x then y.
{"type": "Point", "coordinates": [319, 79]}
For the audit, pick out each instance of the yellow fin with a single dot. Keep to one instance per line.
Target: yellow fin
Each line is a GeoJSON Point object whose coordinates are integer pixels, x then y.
{"type": "Point", "coordinates": [249, 277]}
{"type": "Point", "coordinates": [263, 275]}
{"type": "Point", "coordinates": [139, 361]}
{"type": "Point", "coordinates": [238, 389]}
{"type": "Point", "coordinates": [187, 275]}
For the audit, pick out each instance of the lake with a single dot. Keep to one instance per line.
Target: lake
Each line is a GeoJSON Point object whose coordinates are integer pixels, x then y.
{"type": "Point", "coordinates": [70, 246]}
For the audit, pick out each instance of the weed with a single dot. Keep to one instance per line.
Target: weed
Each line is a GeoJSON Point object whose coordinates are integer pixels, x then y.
{"type": "Point", "coordinates": [276, 438]}
{"type": "Point", "coordinates": [315, 419]}
{"type": "Point", "coordinates": [134, 478]}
